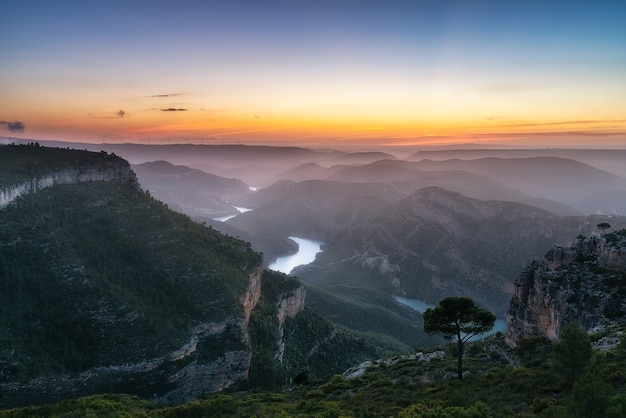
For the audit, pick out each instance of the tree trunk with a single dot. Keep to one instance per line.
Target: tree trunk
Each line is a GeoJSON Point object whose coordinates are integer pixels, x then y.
{"type": "Point", "coordinates": [460, 359]}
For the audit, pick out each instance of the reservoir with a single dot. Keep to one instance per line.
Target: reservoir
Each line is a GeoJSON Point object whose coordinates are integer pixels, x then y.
{"type": "Point", "coordinates": [421, 306]}
{"type": "Point", "coordinates": [307, 250]}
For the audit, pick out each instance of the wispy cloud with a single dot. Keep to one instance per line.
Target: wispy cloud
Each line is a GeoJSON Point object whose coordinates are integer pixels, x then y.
{"type": "Point", "coordinates": [166, 95]}
{"type": "Point", "coordinates": [172, 109]}
{"type": "Point", "coordinates": [568, 122]}
{"type": "Point", "coordinates": [121, 113]}
{"type": "Point", "coordinates": [16, 126]}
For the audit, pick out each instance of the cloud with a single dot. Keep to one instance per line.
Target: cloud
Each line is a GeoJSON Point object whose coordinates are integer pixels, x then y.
{"type": "Point", "coordinates": [171, 109]}
{"type": "Point", "coordinates": [569, 122]}
{"type": "Point", "coordinates": [121, 113]}
{"type": "Point", "coordinates": [167, 95]}
{"type": "Point", "coordinates": [16, 126]}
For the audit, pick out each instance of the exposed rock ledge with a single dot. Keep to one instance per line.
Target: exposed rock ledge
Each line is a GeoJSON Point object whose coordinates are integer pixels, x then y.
{"type": "Point", "coordinates": [117, 170]}
{"type": "Point", "coordinates": [289, 305]}
{"type": "Point", "coordinates": [575, 284]}
{"type": "Point", "coordinates": [186, 378]}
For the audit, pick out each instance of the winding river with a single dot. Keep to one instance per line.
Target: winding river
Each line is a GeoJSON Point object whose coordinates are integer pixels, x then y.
{"type": "Point", "coordinates": [307, 250]}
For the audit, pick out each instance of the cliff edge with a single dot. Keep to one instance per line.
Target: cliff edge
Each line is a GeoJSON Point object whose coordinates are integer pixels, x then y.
{"type": "Point", "coordinates": [583, 283]}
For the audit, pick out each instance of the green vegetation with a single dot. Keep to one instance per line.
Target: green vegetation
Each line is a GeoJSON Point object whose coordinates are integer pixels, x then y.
{"type": "Point", "coordinates": [313, 347]}
{"type": "Point", "coordinates": [101, 273]}
{"type": "Point", "coordinates": [573, 352]}
{"type": "Point", "coordinates": [532, 386]}
{"type": "Point", "coordinates": [603, 226]}
{"type": "Point", "coordinates": [359, 303]}
{"type": "Point", "coordinates": [24, 162]}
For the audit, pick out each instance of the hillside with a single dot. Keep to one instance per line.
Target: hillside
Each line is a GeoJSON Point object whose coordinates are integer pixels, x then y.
{"type": "Point", "coordinates": [428, 245]}
{"type": "Point", "coordinates": [579, 374]}
{"type": "Point", "coordinates": [190, 191]}
{"type": "Point", "coordinates": [105, 289]}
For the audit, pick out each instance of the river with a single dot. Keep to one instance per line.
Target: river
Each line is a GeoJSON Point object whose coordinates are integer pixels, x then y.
{"type": "Point", "coordinates": [421, 306]}
{"type": "Point", "coordinates": [239, 209]}
{"type": "Point", "coordinates": [307, 250]}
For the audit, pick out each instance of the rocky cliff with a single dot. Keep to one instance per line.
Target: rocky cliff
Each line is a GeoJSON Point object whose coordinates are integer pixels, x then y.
{"type": "Point", "coordinates": [104, 289]}
{"type": "Point", "coordinates": [289, 305]}
{"type": "Point", "coordinates": [38, 173]}
{"type": "Point", "coordinates": [583, 283]}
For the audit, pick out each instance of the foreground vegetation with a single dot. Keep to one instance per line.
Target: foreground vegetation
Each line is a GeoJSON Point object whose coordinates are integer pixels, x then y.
{"type": "Point", "coordinates": [536, 379]}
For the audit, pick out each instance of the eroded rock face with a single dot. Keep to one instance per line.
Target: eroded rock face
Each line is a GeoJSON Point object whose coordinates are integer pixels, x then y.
{"type": "Point", "coordinates": [289, 305]}
{"type": "Point", "coordinates": [576, 284]}
{"type": "Point", "coordinates": [117, 171]}
{"type": "Point", "coordinates": [179, 370]}
{"type": "Point", "coordinates": [251, 297]}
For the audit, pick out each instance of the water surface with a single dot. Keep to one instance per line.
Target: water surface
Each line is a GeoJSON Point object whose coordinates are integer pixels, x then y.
{"type": "Point", "coordinates": [307, 250]}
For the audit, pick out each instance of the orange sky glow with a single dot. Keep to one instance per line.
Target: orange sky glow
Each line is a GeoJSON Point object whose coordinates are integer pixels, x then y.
{"type": "Point", "coordinates": [422, 73]}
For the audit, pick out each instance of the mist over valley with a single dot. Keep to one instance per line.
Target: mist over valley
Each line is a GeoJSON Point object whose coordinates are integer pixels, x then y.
{"type": "Point", "coordinates": [423, 228]}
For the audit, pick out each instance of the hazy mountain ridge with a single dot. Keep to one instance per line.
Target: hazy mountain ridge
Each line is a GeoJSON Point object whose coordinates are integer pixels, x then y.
{"type": "Point", "coordinates": [438, 242]}
{"type": "Point", "coordinates": [611, 160]}
{"type": "Point", "coordinates": [191, 191]}
{"type": "Point", "coordinates": [408, 177]}
{"type": "Point", "coordinates": [567, 181]}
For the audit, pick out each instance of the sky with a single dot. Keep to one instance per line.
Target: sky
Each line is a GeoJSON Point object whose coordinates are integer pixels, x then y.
{"type": "Point", "coordinates": [522, 73]}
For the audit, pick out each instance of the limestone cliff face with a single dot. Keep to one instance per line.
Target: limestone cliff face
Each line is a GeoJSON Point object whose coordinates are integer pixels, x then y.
{"type": "Point", "coordinates": [252, 295]}
{"type": "Point", "coordinates": [180, 370]}
{"type": "Point", "coordinates": [116, 170]}
{"type": "Point", "coordinates": [583, 283]}
{"type": "Point", "coordinates": [289, 305]}
{"type": "Point", "coordinates": [232, 366]}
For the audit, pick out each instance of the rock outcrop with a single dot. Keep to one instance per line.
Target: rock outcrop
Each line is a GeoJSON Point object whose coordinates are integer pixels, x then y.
{"type": "Point", "coordinates": [110, 169]}
{"type": "Point", "coordinates": [289, 305]}
{"type": "Point", "coordinates": [584, 283]}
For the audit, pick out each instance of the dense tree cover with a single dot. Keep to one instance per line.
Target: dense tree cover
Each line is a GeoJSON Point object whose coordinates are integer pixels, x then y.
{"type": "Point", "coordinates": [493, 387]}
{"type": "Point", "coordinates": [24, 162]}
{"type": "Point", "coordinates": [573, 352]}
{"type": "Point", "coordinates": [101, 273]}
{"type": "Point", "coordinates": [458, 317]}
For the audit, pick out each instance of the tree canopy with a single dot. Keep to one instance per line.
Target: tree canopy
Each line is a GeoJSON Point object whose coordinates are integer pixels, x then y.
{"type": "Point", "coordinates": [459, 317]}
{"type": "Point", "coordinates": [603, 226]}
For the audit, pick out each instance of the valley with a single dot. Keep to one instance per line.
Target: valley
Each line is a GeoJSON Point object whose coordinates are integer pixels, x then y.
{"type": "Point", "coordinates": [324, 261]}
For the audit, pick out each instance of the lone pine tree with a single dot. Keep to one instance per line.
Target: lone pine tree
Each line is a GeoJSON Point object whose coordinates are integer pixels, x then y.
{"type": "Point", "coordinates": [459, 317]}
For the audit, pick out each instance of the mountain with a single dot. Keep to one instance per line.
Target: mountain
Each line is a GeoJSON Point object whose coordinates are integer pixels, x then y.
{"type": "Point", "coordinates": [437, 243]}
{"type": "Point", "coordinates": [189, 190]}
{"type": "Point", "coordinates": [313, 208]}
{"type": "Point", "coordinates": [105, 289]}
{"type": "Point", "coordinates": [611, 160]}
{"type": "Point", "coordinates": [584, 283]}
{"type": "Point", "coordinates": [428, 245]}
{"type": "Point", "coordinates": [408, 177]}
{"type": "Point", "coordinates": [563, 180]}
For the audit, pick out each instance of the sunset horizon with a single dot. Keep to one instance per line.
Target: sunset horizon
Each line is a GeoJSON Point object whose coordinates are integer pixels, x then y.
{"type": "Point", "coordinates": [327, 74]}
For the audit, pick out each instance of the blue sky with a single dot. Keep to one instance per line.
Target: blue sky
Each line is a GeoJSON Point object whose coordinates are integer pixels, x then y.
{"type": "Point", "coordinates": [294, 71]}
